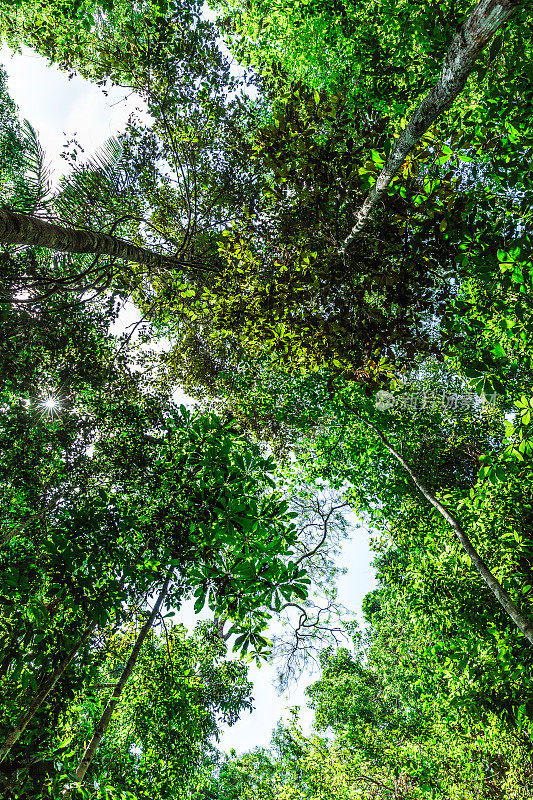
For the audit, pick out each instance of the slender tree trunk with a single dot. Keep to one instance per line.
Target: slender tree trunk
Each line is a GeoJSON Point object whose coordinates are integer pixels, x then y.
{"type": "Point", "coordinates": [7, 661]}
{"type": "Point", "coordinates": [11, 652]}
{"type": "Point", "coordinates": [16, 228]}
{"type": "Point", "coordinates": [115, 697]}
{"type": "Point", "coordinates": [6, 538]}
{"type": "Point", "coordinates": [510, 608]}
{"type": "Point", "coordinates": [466, 48]}
{"type": "Point", "coordinates": [39, 698]}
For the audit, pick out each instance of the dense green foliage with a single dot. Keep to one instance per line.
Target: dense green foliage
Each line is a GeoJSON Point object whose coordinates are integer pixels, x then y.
{"type": "Point", "coordinates": [399, 369]}
{"type": "Point", "coordinates": [181, 691]}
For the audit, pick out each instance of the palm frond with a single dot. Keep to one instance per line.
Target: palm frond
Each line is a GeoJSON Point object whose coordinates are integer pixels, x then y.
{"type": "Point", "coordinates": [37, 187]}
{"type": "Point", "coordinates": [108, 161]}
{"type": "Point", "coordinates": [94, 186]}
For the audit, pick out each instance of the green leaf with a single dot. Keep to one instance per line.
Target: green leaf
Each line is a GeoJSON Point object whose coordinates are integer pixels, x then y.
{"type": "Point", "coordinates": [498, 351]}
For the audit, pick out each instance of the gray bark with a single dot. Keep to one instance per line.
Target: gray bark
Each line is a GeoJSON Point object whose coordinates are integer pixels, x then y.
{"type": "Point", "coordinates": [115, 697]}
{"type": "Point", "coordinates": [25, 229]}
{"type": "Point", "coordinates": [41, 696]}
{"type": "Point", "coordinates": [510, 608]}
{"type": "Point", "coordinates": [476, 32]}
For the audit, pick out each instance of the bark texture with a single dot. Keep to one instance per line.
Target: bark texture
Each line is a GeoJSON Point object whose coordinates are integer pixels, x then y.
{"type": "Point", "coordinates": [105, 719]}
{"type": "Point", "coordinates": [475, 33]}
{"type": "Point", "coordinates": [510, 608]}
{"type": "Point", "coordinates": [39, 698]}
{"type": "Point", "coordinates": [25, 229]}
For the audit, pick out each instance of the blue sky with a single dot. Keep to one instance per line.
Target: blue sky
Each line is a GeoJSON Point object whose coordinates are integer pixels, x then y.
{"type": "Point", "coordinates": [60, 109]}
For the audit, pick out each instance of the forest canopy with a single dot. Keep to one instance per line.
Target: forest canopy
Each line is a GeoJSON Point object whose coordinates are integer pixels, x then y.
{"type": "Point", "coordinates": [322, 224]}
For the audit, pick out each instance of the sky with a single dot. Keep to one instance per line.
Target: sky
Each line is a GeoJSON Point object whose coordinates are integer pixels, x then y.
{"type": "Point", "coordinates": [61, 109]}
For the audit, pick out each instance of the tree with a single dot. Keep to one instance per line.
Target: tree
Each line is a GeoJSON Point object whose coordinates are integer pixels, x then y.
{"type": "Point", "coordinates": [105, 719]}
{"type": "Point", "coordinates": [164, 728]}
{"type": "Point", "coordinates": [283, 306]}
{"type": "Point", "coordinates": [522, 622]}
{"type": "Point", "coordinates": [300, 302]}
{"type": "Point", "coordinates": [290, 337]}
{"type": "Point", "coordinates": [296, 303]}
{"type": "Point", "coordinates": [225, 538]}
{"type": "Point", "coordinates": [161, 177]}
{"type": "Point", "coordinates": [97, 487]}
{"type": "Point", "coordinates": [475, 34]}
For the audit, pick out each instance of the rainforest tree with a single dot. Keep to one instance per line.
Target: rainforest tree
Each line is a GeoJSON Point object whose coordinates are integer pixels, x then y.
{"type": "Point", "coordinates": [341, 268]}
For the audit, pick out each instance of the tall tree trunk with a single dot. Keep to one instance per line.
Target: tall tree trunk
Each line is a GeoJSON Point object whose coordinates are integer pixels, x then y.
{"type": "Point", "coordinates": [11, 652]}
{"type": "Point", "coordinates": [41, 696]}
{"type": "Point", "coordinates": [115, 697]}
{"type": "Point", "coordinates": [466, 48]}
{"type": "Point", "coordinates": [510, 608]}
{"type": "Point", "coordinates": [25, 229]}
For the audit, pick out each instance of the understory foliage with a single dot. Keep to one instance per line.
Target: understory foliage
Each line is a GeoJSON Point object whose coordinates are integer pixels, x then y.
{"type": "Point", "coordinates": [389, 384]}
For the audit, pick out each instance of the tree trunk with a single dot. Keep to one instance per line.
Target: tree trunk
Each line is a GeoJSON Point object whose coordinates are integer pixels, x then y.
{"type": "Point", "coordinates": [466, 48]}
{"type": "Point", "coordinates": [115, 697]}
{"type": "Point", "coordinates": [11, 652]}
{"type": "Point", "coordinates": [39, 698]}
{"type": "Point", "coordinates": [16, 228]}
{"type": "Point", "coordinates": [510, 608]}
{"type": "Point", "coordinates": [6, 538]}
